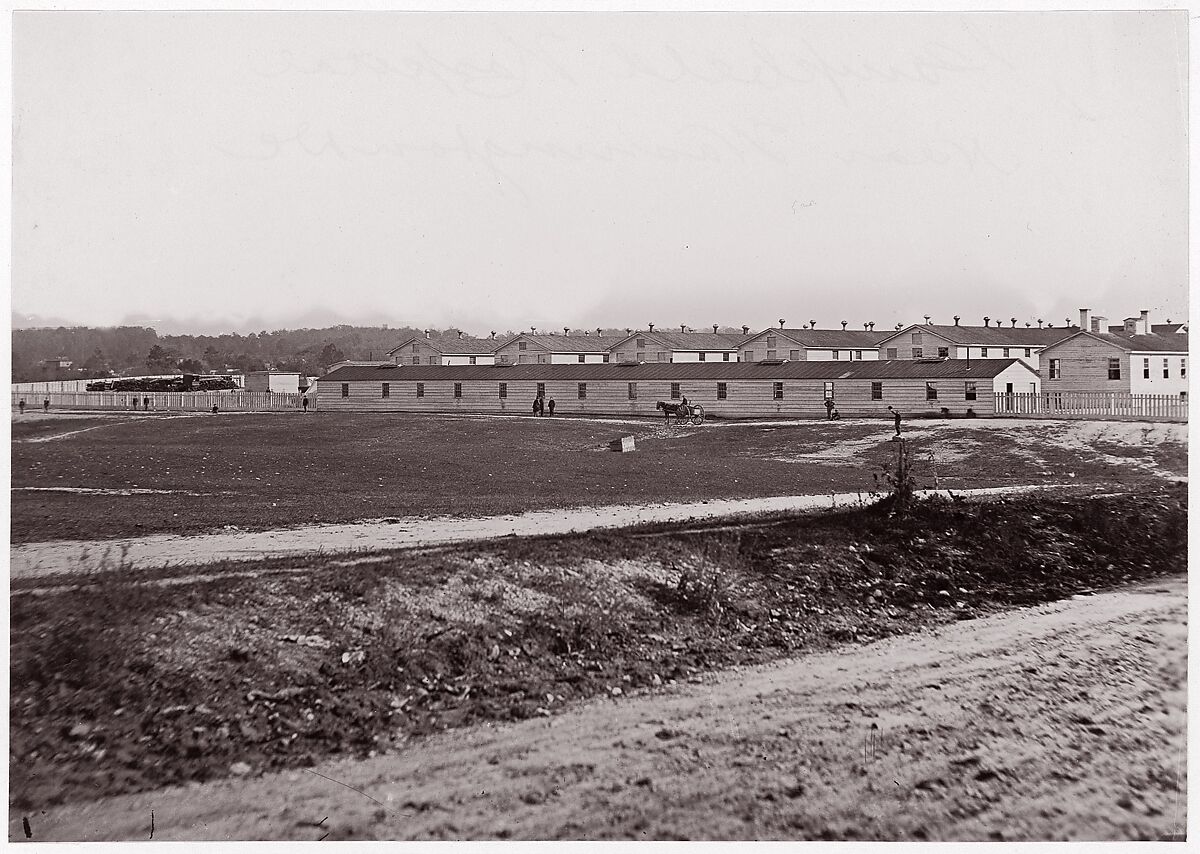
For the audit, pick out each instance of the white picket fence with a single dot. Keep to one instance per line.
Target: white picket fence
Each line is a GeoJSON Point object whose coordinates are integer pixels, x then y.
{"type": "Point", "coordinates": [183, 401]}
{"type": "Point", "coordinates": [1092, 404]}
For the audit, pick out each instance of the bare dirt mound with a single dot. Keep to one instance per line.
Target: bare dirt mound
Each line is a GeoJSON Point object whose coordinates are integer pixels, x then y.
{"type": "Point", "coordinates": [1063, 721]}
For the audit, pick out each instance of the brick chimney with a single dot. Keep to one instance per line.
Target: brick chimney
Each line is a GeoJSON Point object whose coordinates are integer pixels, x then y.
{"type": "Point", "coordinates": [683, 327]}
{"type": "Point", "coordinates": [781, 322]}
{"type": "Point", "coordinates": [427, 335]}
{"type": "Point", "coordinates": [843, 325]}
{"type": "Point", "coordinates": [1144, 323]}
{"type": "Point", "coordinates": [533, 330]}
{"type": "Point", "coordinates": [1039, 323]}
{"type": "Point", "coordinates": [1013, 321]}
{"type": "Point", "coordinates": [745, 330]}
{"type": "Point", "coordinates": [1084, 314]}
{"type": "Point", "coordinates": [956, 319]}
{"type": "Point", "coordinates": [566, 331]}
{"type": "Point", "coordinates": [986, 321]}
{"type": "Point", "coordinates": [872, 325]}
{"type": "Point", "coordinates": [599, 332]}
{"type": "Point", "coordinates": [927, 320]}
{"type": "Point", "coordinates": [812, 324]}
{"type": "Point", "coordinates": [493, 335]}
{"type": "Point", "coordinates": [715, 327]}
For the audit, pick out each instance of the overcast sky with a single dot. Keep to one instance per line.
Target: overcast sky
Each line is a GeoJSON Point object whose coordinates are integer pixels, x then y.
{"type": "Point", "coordinates": [503, 171]}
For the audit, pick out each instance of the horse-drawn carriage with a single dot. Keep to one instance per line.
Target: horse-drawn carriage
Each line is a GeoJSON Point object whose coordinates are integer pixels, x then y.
{"type": "Point", "coordinates": [685, 413]}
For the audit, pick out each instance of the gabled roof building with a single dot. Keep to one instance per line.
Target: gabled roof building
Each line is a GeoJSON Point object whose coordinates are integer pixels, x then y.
{"type": "Point", "coordinates": [990, 341]}
{"type": "Point", "coordinates": [1137, 363]}
{"type": "Point", "coordinates": [531, 348]}
{"type": "Point", "coordinates": [812, 345]}
{"type": "Point", "coordinates": [658, 345]}
{"type": "Point", "coordinates": [431, 349]}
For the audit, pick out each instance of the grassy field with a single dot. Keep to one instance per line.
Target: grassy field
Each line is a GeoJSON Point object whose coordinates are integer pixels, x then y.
{"type": "Point", "coordinates": [132, 681]}
{"type": "Point", "coordinates": [279, 470]}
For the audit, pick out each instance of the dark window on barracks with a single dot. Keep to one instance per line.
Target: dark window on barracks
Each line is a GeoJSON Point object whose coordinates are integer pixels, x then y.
{"type": "Point", "coordinates": [876, 391]}
{"type": "Point", "coordinates": [583, 391]}
{"type": "Point", "coordinates": [675, 391]}
{"type": "Point", "coordinates": [503, 390]}
{"type": "Point", "coordinates": [345, 389]}
{"type": "Point", "coordinates": [386, 391]}
{"type": "Point", "coordinates": [722, 391]}
{"type": "Point", "coordinates": [420, 389]}
{"type": "Point", "coordinates": [778, 391]}
{"type": "Point", "coordinates": [458, 389]}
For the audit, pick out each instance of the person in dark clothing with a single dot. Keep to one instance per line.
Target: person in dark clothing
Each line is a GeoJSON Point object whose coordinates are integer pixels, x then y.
{"type": "Point", "coordinates": [835, 415]}
{"type": "Point", "coordinates": [537, 405]}
{"type": "Point", "coordinates": [214, 409]}
{"type": "Point", "coordinates": [896, 418]}
{"type": "Point", "coordinates": [135, 403]}
{"type": "Point", "coordinates": [829, 409]}
{"type": "Point", "coordinates": [551, 406]}
{"type": "Point", "coordinates": [21, 405]}
{"type": "Point", "coordinates": [46, 405]}
{"type": "Point", "coordinates": [304, 402]}
{"type": "Point", "coordinates": [146, 403]}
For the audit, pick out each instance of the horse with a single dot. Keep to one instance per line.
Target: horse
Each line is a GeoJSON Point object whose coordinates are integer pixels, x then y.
{"type": "Point", "coordinates": [680, 411]}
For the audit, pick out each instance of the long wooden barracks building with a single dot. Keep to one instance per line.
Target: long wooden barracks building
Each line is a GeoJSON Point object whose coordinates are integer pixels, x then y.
{"type": "Point", "coordinates": [724, 389]}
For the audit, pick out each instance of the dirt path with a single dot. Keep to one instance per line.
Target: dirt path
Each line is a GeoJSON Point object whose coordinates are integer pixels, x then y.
{"type": "Point", "coordinates": [1063, 721]}
{"type": "Point", "coordinates": [35, 559]}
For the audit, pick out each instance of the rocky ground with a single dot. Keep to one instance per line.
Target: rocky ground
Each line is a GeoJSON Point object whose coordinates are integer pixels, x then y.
{"type": "Point", "coordinates": [1057, 721]}
{"type": "Point", "coordinates": [129, 682]}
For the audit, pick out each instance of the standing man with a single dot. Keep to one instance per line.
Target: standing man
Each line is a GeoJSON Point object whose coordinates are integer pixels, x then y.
{"type": "Point", "coordinates": [304, 402]}
{"type": "Point", "coordinates": [551, 407]}
{"type": "Point", "coordinates": [21, 405]}
{"type": "Point", "coordinates": [896, 418]}
{"type": "Point", "coordinates": [829, 409]}
{"type": "Point", "coordinates": [537, 402]}
{"type": "Point", "coordinates": [46, 405]}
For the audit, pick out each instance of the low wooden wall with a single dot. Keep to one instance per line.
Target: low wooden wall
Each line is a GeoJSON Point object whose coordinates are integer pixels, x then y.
{"type": "Point", "coordinates": [185, 401]}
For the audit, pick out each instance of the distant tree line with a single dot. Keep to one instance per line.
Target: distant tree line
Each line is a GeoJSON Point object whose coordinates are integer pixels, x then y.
{"type": "Point", "coordinates": [96, 352]}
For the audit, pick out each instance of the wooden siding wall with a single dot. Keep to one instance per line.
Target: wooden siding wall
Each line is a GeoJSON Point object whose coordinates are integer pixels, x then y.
{"type": "Point", "coordinates": [746, 398]}
{"type": "Point", "coordinates": [930, 342]}
{"type": "Point", "coordinates": [1084, 364]}
{"type": "Point", "coordinates": [424, 352]}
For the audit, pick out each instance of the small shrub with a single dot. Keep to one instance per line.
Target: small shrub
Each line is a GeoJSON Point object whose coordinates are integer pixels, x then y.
{"type": "Point", "coordinates": [708, 582]}
{"type": "Point", "coordinates": [898, 480]}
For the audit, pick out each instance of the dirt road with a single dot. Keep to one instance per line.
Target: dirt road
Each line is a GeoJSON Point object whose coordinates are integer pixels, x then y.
{"type": "Point", "coordinates": [36, 559]}
{"type": "Point", "coordinates": [1063, 721]}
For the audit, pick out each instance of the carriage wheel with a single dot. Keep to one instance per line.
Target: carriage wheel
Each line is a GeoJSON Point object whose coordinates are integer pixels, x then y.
{"type": "Point", "coordinates": [699, 415]}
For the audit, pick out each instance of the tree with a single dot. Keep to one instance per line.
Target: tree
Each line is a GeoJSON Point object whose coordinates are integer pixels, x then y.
{"type": "Point", "coordinates": [96, 364]}
{"type": "Point", "coordinates": [191, 366]}
{"type": "Point", "coordinates": [213, 358]}
{"type": "Point", "coordinates": [330, 355]}
{"type": "Point", "coordinates": [159, 360]}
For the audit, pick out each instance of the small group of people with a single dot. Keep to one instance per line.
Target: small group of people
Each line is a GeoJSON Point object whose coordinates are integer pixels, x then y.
{"type": "Point", "coordinates": [831, 413]}
{"type": "Point", "coordinates": [145, 403]}
{"type": "Point", "coordinates": [45, 405]}
{"type": "Point", "coordinates": [542, 406]}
